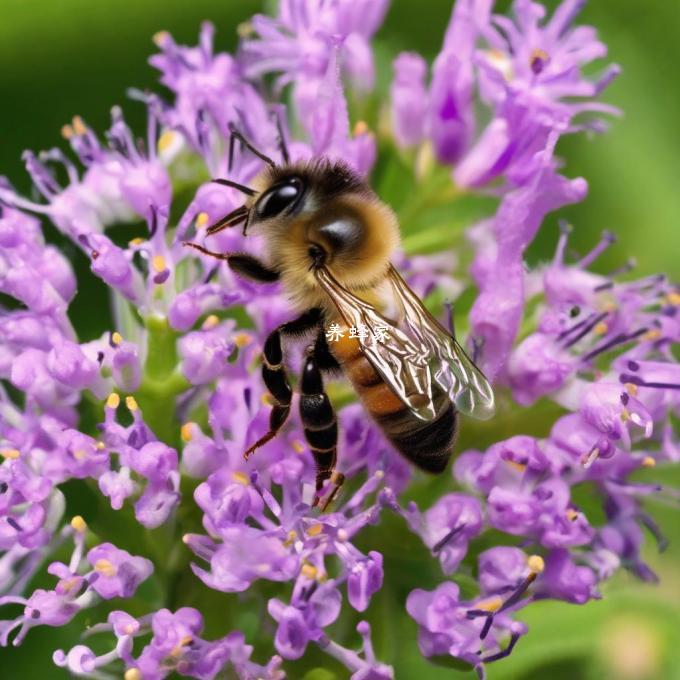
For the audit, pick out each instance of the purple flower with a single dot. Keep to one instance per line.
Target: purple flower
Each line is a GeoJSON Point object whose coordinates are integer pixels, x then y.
{"type": "Point", "coordinates": [119, 573]}
{"type": "Point", "coordinates": [302, 41]}
{"type": "Point", "coordinates": [311, 609]}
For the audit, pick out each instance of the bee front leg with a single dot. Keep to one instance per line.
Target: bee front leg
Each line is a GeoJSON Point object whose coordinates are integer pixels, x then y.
{"type": "Point", "coordinates": [321, 429]}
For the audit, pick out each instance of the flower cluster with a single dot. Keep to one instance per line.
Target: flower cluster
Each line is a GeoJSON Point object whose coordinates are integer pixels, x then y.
{"type": "Point", "coordinates": [153, 417]}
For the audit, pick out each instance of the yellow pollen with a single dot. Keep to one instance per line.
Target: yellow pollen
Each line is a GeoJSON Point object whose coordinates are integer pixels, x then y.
{"type": "Point", "coordinates": [244, 29]}
{"type": "Point", "coordinates": [158, 263]}
{"type": "Point", "coordinates": [298, 446]}
{"type": "Point", "coordinates": [130, 628]}
{"type": "Point", "coordinates": [535, 563]}
{"type": "Point", "coordinates": [202, 219]}
{"type": "Point", "coordinates": [493, 604]}
{"type": "Point", "coordinates": [131, 403]}
{"type": "Point", "coordinates": [187, 431]}
{"type": "Point", "coordinates": [186, 538]}
{"type": "Point", "coordinates": [67, 131]}
{"type": "Point", "coordinates": [572, 515]}
{"type": "Point", "coordinates": [67, 584]}
{"type": "Point", "coordinates": [176, 651]}
{"type": "Point", "coordinates": [267, 400]}
{"type": "Point", "coordinates": [11, 454]}
{"type": "Point", "coordinates": [159, 38]}
{"type": "Point", "coordinates": [78, 524]}
{"type": "Point", "coordinates": [648, 462]}
{"type": "Point", "coordinates": [652, 334]}
{"type": "Point", "coordinates": [79, 454]}
{"type": "Point", "coordinates": [78, 126]}
{"type": "Point", "coordinates": [100, 445]}
{"type": "Point", "coordinates": [240, 477]}
{"type": "Point", "coordinates": [631, 388]}
{"type": "Point", "coordinates": [315, 529]}
{"type": "Point", "coordinates": [186, 640]}
{"type": "Point", "coordinates": [242, 339]}
{"type": "Point", "coordinates": [210, 322]}
{"type": "Point", "coordinates": [113, 400]}
{"type": "Point", "coordinates": [309, 571]}
{"type": "Point", "coordinates": [625, 415]}
{"type": "Point", "coordinates": [292, 535]}
{"type": "Point", "coordinates": [538, 54]}
{"type": "Point", "coordinates": [517, 466]}
{"type": "Point", "coordinates": [361, 128]}
{"type": "Point", "coordinates": [673, 299]}
{"type": "Point", "coordinates": [132, 674]}
{"type": "Point", "coordinates": [601, 328]}
{"type": "Point", "coordinates": [166, 139]}
{"type": "Point", "coordinates": [105, 567]}
{"type": "Point", "coordinates": [116, 338]}
{"type": "Point", "coordinates": [136, 241]}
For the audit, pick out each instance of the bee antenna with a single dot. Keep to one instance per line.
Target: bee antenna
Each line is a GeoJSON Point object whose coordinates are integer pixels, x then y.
{"type": "Point", "coordinates": [237, 134]}
{"type": "Point", "coordinates": [230, 220]}
{"type": "Point", "coordinates": [235, 185]}
{"type": "Point", "coordinates": [283, 147]}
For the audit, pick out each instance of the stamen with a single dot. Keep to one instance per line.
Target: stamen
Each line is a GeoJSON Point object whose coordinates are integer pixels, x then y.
{"type": "Point", "coordinates": [132, 674]}
{"type": "Point", "coordinates": [361, 128]}
{"type": "Point", "coordinates": [292, 537]}
{"type": "Point", "coordinates": [506, 652]}
{"type": "Point", "coordinates": [202, 219]}
{"type": "Point", "coordinates": [78, 524]}
{"type": "Point", "coordinates": [441, 543]}
{"type": "Point", "coordinates": [113, 400]}
{"type": "Point", "coordinates": [607, 239]}
{"type": "Point", "coordinates": [617, 340]}
{"type": "Point", "coordinates": [648, 462]}
{"type": "Point", "coordinates": [586, 329]}
{"type": "Point", "coordinates": [242, 339]}
{"type": "Point", "coordinates": [309, 571]}
{"type": "Point", "coordinates": [166, 140]}
{"type": "Point", "coordinates": [131, 403]}
{"type": "Point", "coordinates": [116, 338]}
{"type": "Point", "coordinates": [78, 126]}
{"type": "Point", "coordinates": [211, 321]}
{"type": "Point", "coordinates": [105, 567]}
{"type": "Point", "coordinates": [536, 564]}
{"type": "Point", "coordinates": [315, 529]}
{"type": "Point", "coordinates": [241, 478]}
{"type": "Point", "coordinates": [538, 59]}
{"type": "Point", "coordinates": [186, 432]}
{"type": "Point", "coordinates": [298, 446]}
{"type": "Point", "coordinates": [158, 263]}
{"type": "Point", "coordinates": [10, 454]}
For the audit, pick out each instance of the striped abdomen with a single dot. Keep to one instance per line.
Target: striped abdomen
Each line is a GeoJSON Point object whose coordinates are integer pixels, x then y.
{"type": "Point", "coordinates": [427, 445]}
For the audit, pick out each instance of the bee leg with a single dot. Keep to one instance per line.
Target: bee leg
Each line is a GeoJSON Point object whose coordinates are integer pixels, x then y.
{"type": "Point", "coordinates": [321, 428]}
{"type": "Point", "coordinates": [274, 374]}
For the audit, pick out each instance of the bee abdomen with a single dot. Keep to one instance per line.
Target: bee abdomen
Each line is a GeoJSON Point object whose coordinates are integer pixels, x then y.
{"type": "Point", "coordinates": [426, 445]}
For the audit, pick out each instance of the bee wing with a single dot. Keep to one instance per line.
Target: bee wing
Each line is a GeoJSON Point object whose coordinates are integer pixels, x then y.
{"type": "Point", "coordinates": [403, 365]}
{"type": "Point", "coordinates": [454, 371]}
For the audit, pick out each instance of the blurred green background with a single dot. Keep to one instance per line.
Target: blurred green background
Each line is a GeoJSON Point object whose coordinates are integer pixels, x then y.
{"type": "Point", "coordinates": [65, 57]}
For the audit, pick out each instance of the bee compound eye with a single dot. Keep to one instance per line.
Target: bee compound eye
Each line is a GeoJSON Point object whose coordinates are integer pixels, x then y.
{"type": "Point", "coordinates": [279, 198]}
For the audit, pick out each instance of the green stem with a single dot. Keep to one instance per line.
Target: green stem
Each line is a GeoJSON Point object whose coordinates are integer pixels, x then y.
{"type": "Point", "coordinates": [161, 356]}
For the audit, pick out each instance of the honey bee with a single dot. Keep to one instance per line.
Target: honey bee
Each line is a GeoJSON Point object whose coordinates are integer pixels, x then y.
{"type": "Point", "coordinates": [328, 240]}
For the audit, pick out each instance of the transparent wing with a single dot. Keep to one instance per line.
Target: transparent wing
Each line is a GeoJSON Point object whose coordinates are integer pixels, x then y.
{"type": "Point", "coordinates": [403, 365]}
{"type": "Point", "coordinates": [454, 371]}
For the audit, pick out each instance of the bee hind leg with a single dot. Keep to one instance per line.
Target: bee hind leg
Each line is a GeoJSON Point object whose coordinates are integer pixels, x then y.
{"type": "Point", "coordinates": [321, 429]}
